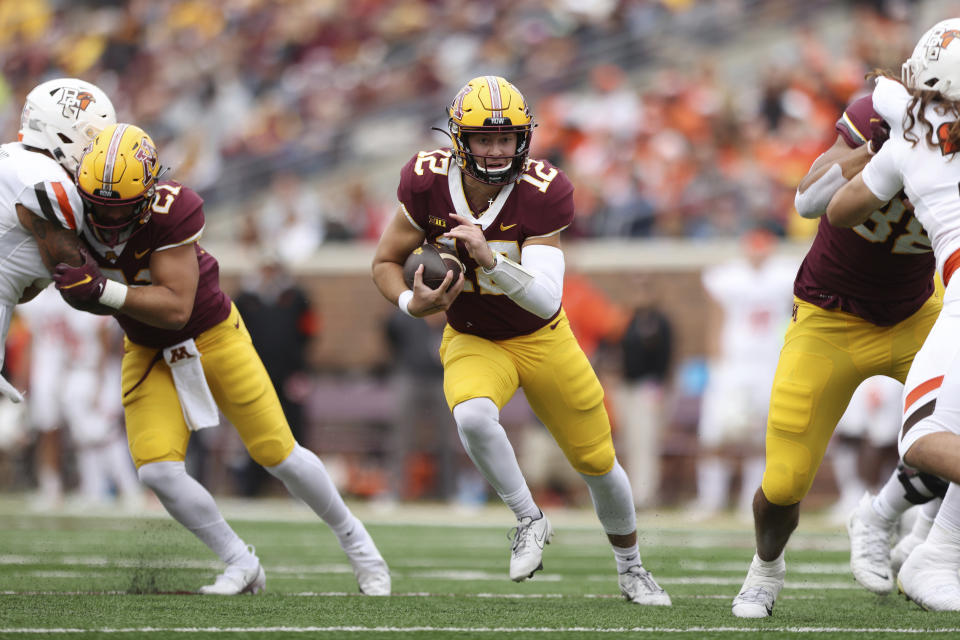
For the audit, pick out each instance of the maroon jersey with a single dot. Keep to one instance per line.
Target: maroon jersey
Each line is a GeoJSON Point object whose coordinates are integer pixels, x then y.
{"type": "Point", "coordinates": [538, 204]}
{"type": "Point", "coordinates": [881, 270]}
{"type": "Point", "coordinates": [176, 218]}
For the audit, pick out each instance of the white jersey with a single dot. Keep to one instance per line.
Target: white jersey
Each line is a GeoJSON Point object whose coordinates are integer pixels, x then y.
{"type": "Point", "coordinates": [874, 411]}
{"type": "Point", "coordinates": [71, 381]}
{"type": "Point", "coordinates": [41, 185]}
{"type": "Point", "coordinates": [929, 176]}
{"type": "Point", "coordinates": [756, 303]}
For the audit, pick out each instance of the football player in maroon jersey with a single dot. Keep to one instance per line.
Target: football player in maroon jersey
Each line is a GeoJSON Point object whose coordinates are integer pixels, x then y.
{"type": "Point", "coordinates": [502, 213]}
{"type": "Point", "coordinates": [188, 355]}
{"type": "Point", "coordinates": [863, 303]}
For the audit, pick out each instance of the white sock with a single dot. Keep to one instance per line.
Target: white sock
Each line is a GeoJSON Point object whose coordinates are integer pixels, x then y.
{"type": "Point", "coordinates": [891, 502]}
{"type": "Point", "coordinates": [192, 506]}
{"type": "Point", "coordinates": [613, 500]}
{"type": "Point", "coordinates": [306, 478]}
{"type": "Point", "coordinates": [522, 504]}
{"type": "Point", "coordinates": [925, 518]}
{"type": "Point", "coordinates": [485, 441]}
{"type": "Point", "coordinates": [770, 568]}
{"type": "Point", "coordinates": [626, 557]}
{"type": "Point", "coordinates": [948, 517]}
{"type": "Point", "coordinates": [713, 483]}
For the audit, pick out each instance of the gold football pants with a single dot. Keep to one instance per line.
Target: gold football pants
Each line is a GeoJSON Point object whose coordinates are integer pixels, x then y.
{"type": "Point", "coordinates": [156, 430]}
{"type": "Point", "coordinates": [825, 357]}
{"type": "Point", "coordinates": [557, 379]}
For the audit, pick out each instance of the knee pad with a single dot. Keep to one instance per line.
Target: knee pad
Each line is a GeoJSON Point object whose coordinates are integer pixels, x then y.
{"type": "Point", "coordinates": [270, 451]}
{"type": "Point", "coordinates": [788, 473]}
{"type": "Point", "coordinates": [595, 460]}
{"type": "Point", "coordinates": [161, 475]}
{"type": "Point", "coordinates": [153, 446]}
{"type": "Point", "coordinates": [920, 487]}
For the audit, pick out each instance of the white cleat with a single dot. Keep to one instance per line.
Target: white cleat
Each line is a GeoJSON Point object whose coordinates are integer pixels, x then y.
{"type": "Point", "coordinates": [900, 551]}
{"type": "Point", "coordinates": [759, 591]}
{"type": "Point", "coordinates": [369, 567]}
{"type": "Point", "coordinates": [638, 586]}
{"type": "Point", "coordinates": [237, 580]}
{"type": "Point", "coordinates": [526, 552]}
{"type": "Point", "coordinates": [870, 548]}
{"type": "Point", "coordinates": [930, 582]}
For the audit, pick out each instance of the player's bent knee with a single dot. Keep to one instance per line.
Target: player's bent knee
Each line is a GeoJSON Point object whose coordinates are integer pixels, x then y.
{"type": "Point", "coordinates": [789, 471]}
{"type": "Point", "coordinates": [596, 460]}
{"type": "Point", "coordinates": [783, 487]}
{"type": "Point", "coordinates": [270, 452]}
{"type": "Point", "coordinates": [160, 475]}
{"type": "Point", "coordinates": [153, 447]}
{"type": "Point", "coordinates": [476, 417]}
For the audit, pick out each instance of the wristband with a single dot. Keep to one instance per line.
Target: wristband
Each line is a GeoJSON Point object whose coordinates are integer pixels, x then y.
{"type": "Point", "coordinates": [403, 300]}
{"type": "Point", "coordinates": [114, 294]}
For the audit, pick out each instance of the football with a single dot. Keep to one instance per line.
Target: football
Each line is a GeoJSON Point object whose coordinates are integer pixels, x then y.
{"type": "Point", "coordinates": [435, 266]}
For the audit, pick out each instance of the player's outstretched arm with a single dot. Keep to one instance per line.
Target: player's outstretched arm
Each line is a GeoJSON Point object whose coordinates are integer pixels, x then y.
{"type": "Point", "coordinates": [56, 244]}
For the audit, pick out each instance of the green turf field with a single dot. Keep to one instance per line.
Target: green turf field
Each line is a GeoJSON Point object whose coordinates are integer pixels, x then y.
{"type": "Point", "coordinates": [110, 575]}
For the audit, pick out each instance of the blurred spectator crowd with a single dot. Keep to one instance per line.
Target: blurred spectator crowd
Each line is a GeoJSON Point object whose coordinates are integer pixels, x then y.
{"type": "Point", "coordinates": [258, 103]}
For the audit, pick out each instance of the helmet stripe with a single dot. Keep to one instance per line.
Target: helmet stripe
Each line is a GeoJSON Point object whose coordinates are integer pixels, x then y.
{"type": "Point", "coordinates": [113, 150]}
{"type": "Point", "coordinates": [496, 101]}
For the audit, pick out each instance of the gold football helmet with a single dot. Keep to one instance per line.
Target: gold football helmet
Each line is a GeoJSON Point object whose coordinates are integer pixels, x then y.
{"type": "Point", "coordinates": [117, 179]}
{"type": "Point", "coordinates": [489, 104]}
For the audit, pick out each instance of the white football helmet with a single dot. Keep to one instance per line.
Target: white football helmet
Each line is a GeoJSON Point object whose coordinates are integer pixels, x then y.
{"type": "Point", "coordinates": [63, 116]}
{"type": "Point", "coordinates": [935, 63]}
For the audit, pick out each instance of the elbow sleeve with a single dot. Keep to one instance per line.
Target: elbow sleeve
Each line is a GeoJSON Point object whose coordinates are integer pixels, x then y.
{"type": "Point", "coordinates": [536, 284]}
{"type": "Point", "coordinates": [813, 202]}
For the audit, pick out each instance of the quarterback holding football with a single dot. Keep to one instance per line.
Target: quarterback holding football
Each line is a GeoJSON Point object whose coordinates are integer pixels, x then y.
{"type": "Point", "coordinates": [501, 213]}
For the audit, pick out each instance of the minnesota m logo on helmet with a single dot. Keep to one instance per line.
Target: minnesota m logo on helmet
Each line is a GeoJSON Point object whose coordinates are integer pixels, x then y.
{"type": "Point", "coordinates": [118, 170]}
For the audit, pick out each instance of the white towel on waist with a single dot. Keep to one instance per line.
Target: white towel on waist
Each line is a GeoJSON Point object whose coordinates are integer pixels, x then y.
{"type": "Point", "coordinates": [196, 401]}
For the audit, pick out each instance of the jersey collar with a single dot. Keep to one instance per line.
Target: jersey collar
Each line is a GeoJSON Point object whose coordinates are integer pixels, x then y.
{"type": "Point", "coordinates": [455, 182]}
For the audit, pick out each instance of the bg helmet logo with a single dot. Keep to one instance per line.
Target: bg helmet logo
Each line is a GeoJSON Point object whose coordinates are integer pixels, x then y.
{"type": "Point", "coordinates": [948, 37]}
{"type": "Point", "coordinates": [74, 101]}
